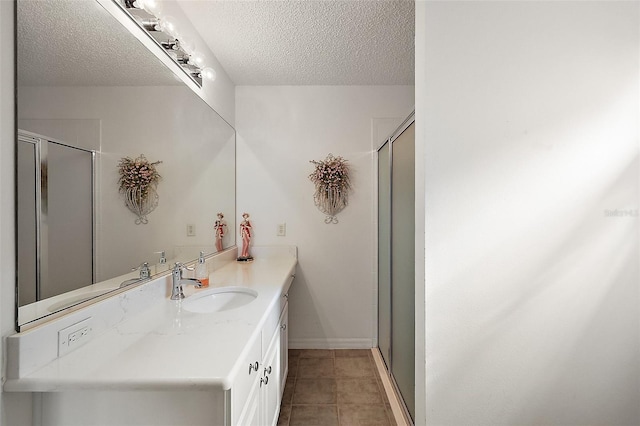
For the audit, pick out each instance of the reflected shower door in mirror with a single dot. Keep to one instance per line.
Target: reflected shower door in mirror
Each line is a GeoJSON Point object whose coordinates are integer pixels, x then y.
{"type": "Point", "coordinates": [101, 90]}
{"type": "Point", "coordinates": [55, 227]}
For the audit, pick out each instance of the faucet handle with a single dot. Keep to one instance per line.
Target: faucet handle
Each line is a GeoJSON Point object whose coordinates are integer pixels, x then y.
{"type": "Point", "coordinates": [145, 272]}
{"type": "Point", "coordinates": [179, 266]}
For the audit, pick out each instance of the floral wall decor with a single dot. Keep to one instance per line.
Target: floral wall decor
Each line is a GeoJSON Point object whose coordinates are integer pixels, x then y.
{"type": "Point", "coordinates": [331, 178]}
{"type": "Point", "coordinates": [138, 182]}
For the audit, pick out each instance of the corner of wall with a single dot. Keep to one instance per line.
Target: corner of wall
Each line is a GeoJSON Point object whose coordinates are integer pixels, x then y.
{"type": "Point", "coordinates": [420, 170]}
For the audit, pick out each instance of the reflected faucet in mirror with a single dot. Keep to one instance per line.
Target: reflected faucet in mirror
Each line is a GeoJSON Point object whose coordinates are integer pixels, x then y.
{"type": "Point", "coordinates": [145, 274]}
{"type": "Point", "coordinates": [162, 262]}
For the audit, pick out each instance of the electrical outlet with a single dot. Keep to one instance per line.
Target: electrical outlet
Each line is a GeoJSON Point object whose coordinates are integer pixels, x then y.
{"type": "Point", "coordinates": [191, 230]}
{"type": "Point", "coordinates": [282, 229]}
{"type": "Point", "coordinates": [74, 336]}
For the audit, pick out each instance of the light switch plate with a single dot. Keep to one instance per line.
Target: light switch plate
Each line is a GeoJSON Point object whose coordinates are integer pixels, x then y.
{"type": "Point", "coordinates": [282, 229]}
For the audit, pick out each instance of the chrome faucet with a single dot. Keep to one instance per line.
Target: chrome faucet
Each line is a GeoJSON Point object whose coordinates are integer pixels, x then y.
{"type": "Point", "coordinates": [178, 281]}
{"type": "Point", "coordinates": [145, 273]}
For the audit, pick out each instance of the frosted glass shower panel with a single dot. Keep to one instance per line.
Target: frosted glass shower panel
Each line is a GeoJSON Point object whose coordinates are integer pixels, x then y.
{"type": "Point", "coordinates": [403, 265]}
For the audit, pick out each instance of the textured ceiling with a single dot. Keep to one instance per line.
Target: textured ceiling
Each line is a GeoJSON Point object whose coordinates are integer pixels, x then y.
{"type": "Point", "coordinates": [78, 43]}
{"type": "Point", "coordinates": [309, 42]}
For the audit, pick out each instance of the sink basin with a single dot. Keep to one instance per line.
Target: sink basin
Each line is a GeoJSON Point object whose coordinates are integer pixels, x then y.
{"type": "Point", "coordinates": [219, 299]}
{"type": "Point", "coordinates": [65, 303]}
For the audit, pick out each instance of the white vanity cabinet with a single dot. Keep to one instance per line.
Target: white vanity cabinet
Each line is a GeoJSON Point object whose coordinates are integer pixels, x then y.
{"type": "Point", "coordinates": [253, 400]}
{"type": "Point", "coordinates": [262, 401]}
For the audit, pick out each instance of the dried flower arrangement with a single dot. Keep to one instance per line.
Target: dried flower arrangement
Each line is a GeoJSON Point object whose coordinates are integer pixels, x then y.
{"type": "Point", "coordinates": [332, 181]}
{"type": "Point", "coordinates": [138, 182]}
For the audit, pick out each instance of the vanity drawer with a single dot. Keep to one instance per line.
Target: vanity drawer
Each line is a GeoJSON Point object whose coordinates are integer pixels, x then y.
{"type": "Point", "coordinates": [246, 377]}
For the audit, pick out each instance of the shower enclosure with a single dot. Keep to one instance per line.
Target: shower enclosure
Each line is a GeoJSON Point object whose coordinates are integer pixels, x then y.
{"type": "Point", "coordinates": [396, 260]}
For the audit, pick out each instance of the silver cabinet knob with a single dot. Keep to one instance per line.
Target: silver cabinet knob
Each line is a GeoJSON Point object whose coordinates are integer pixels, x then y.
{"type": "Point", "coordinates": [253, 367]}
{"type": "Point", "coordinates": [283, 326]}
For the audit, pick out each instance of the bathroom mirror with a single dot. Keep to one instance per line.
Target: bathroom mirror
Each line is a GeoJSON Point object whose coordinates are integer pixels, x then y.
{"type": "Point", "coordinates": [89, 94]}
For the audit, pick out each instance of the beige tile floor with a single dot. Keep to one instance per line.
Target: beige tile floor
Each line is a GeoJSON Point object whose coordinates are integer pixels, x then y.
{"type": "Point", "coordinates": [334, 388]}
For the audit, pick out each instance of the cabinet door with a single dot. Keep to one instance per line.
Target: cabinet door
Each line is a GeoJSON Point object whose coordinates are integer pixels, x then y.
{"type": "Point", "coordinates": [284, 346]}
{"type": "Point", "coordinates": [270, 382]}
{"type": "Point", "coordinates": [248, 376]}
{"type": "Point", "coordinates": [251, 413]}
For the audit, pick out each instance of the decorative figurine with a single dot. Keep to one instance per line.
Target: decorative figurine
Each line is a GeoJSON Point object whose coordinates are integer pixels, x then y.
{"type": "Point", "coordinates": [220, 227]}
{"type": "Point", "coordinates": [245, 234]}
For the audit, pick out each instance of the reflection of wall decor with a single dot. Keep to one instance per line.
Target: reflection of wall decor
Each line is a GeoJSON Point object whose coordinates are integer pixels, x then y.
{"type": "Point", "coordinates": [331, 178]}
{"type": "Point", "coordinates": [246, 231]}
{"type": "Point", "coordinates": [138, 182]}
{"type": "Point", "coordinates": [220, 228]}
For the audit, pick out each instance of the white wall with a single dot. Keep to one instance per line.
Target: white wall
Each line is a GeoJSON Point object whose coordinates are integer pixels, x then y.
{"type": "Point", "coordinates": [281, 128]}
{"type": "Point", "coordinates": [529, 118]}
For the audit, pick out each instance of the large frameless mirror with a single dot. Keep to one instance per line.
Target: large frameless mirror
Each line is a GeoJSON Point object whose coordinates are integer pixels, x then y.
{"type": "Point", "coordinates": [88, 95]}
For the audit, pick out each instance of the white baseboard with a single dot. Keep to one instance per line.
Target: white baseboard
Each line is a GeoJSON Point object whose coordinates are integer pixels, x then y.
{"type": "Point", "coordinates": [330, 343]}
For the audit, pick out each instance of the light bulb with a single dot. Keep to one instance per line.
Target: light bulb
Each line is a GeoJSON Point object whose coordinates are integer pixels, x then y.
{"type": "Point", "coordinates": [208, 73]}
{"type": "Point", "coordinates": [154, 7]}
{"type": "Point", "coordinates": [168, 25]}
{"type": "Point", "coordinates": [196, 59]}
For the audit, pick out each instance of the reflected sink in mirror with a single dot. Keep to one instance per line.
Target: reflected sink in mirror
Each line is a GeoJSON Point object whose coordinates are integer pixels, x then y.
{"type": "Point", "coordinates": [219, 299]}
{"type": "Point", "coordinates": [70, 301]}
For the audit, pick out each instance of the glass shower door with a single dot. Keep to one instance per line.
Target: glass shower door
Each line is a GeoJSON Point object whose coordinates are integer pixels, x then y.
{"type": "Point", "coordinates": [403, 265]}
{"type": "Point", "coordinates": [55, 197]}
{"type": "Point", "coordinates": [396, 260]}
{"type": "Point", "coordinates": [70, 219]}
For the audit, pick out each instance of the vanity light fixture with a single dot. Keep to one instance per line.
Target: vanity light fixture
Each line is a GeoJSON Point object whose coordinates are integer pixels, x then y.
{"type": "Point", "coordinates": [163, 30]}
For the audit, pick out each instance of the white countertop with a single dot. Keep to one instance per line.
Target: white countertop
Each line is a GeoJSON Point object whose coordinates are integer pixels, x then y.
{"type": "Point", "coordinates": [165, 347]}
